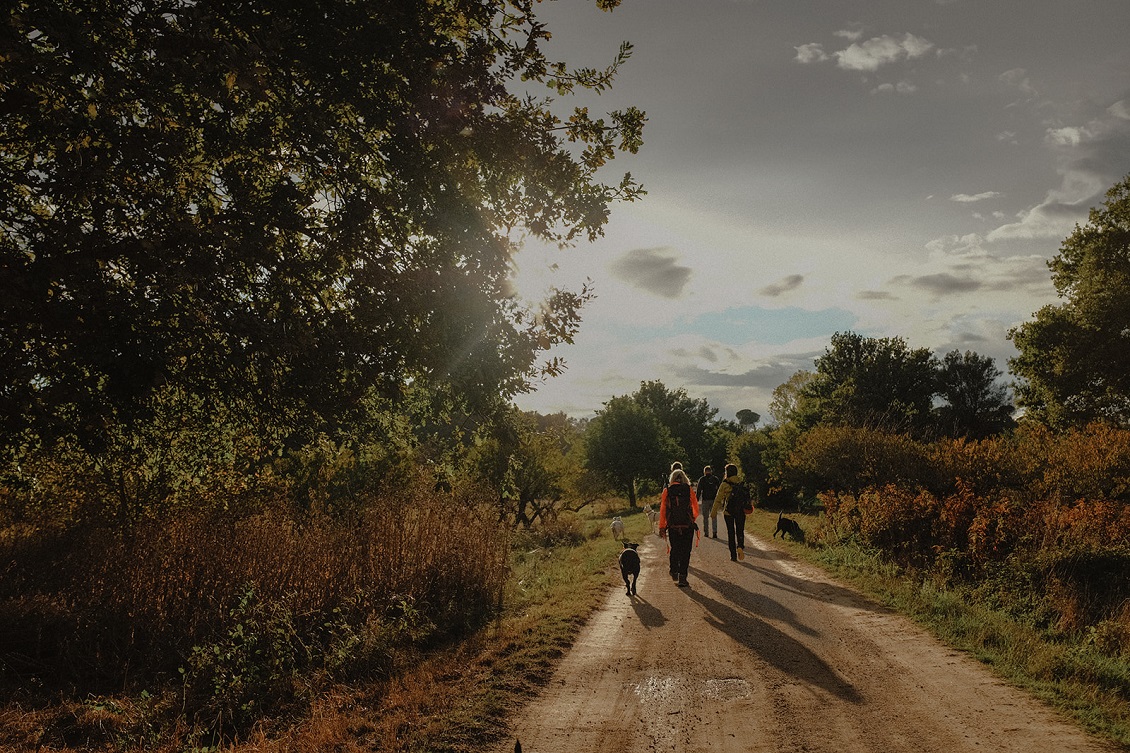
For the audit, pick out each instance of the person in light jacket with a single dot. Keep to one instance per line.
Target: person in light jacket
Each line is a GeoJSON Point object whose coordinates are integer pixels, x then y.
{"type": "Point", "coordinates": [734, 514]}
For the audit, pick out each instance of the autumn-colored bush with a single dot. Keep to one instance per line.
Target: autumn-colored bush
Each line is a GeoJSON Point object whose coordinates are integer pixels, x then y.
{"type": "Point", "coordinates": [1089, 463]}
{"type": "Point", "coordinates": [850, 459]}
{"type": "Point", "coordinates": [986, 466]}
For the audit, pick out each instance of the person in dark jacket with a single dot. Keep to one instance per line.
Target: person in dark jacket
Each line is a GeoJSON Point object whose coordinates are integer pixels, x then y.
{"type": "Point", "coordinates": [678, 510]}
{"type": "Point", "coordinates": [707, 489]}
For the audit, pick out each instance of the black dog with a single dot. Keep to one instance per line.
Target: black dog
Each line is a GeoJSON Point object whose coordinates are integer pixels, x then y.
{"type": "Point", "coordinates": [630, 565]}
{"type": "Point", "coordinates": [789, 526]}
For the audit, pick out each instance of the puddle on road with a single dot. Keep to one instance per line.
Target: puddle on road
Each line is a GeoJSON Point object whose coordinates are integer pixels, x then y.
{"type": "Point", "coordinates": [657, 689]}
{"type": "Point", "coordinates": [727, 689]}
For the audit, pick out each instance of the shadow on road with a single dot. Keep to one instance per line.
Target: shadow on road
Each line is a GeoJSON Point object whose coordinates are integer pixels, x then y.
{"type": "Point", "coordinates": [788, 655]}
{"type": "Point", "coordinates": [821, 590]}
{"type": "Point", "coordinates": [649, 616]}
{"type": "Point", "coordinates": [753, 603]}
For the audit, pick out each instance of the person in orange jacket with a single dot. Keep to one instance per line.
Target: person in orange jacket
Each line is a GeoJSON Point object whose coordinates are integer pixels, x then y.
{"type": "Point", "coordinates": [678, 510]}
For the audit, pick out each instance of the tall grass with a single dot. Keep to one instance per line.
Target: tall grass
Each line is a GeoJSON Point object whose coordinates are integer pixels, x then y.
{"type": "Point", "coordinates": [236, 612]}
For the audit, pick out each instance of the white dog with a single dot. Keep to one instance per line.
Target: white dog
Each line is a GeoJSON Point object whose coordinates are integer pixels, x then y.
{"type": "Point", "coordinates": [652, 515]}
{"type": "Point", "coordinates": [617, 528]}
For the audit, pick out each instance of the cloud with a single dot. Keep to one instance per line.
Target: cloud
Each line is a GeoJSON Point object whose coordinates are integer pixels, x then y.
{"type": "Point", "coordinates": [964, 198]}
{"type": "Point", "coordinates": [964, 264]}
{"type": "Point", "coordinates": [654, 270]}
{"type": "Point", "coordinates": [852, 35]}
{"type": "Point", "coordinates": [765, 375]}
{"type": "Point", "coordinates": [876, 52]}
{"type": "Point", "coordinates": [1018, 78]}
{"type": "Point", "coordinates": [875, 295]}
{"type": "Point", "coordinates": [902, 87]}
{"type": "Point", "coordinates": [784, 285]}
{"type": "Point", "coordinates": [944, 283]}
{"type": "Point", "coordinates": [1092, 156]}
{"type": "Point", "coordinates": [811, 53]}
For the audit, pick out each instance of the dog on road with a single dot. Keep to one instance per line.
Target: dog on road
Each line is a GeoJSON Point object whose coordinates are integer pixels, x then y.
{"type": "Point", "coordinates": [789, 526]}
{"type": "Point", "coordinates": [630, 566]}
{"type": "Point", "coordinates": [652, 515]}
{"type": "Point", "coordinates": [617, 528]}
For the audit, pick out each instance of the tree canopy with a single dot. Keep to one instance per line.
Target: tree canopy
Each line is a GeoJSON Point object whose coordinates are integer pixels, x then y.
{"type": "Point", "coordinates": [1074, 358]}
{"type": "Point", "coordinates": [872, 382]}
{"type": "Point", "coordinates": [627, 442]}
{"type": "Point", "coordinates": [977, 404]}
{"type": "Point", "coordinates": [290, 208]}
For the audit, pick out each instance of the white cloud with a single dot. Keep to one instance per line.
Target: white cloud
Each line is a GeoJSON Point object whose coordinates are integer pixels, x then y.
{"type": "Point", "coordinates": [1018, 78]}
{"type": "Point", "coordinates": [1066, 136]}
{"type": "Point", "coordinates": [876, 52]}
{"type": "Point", "coordinates": [852, 35]}
{"type": "Point", "coordinates": [1092, 157]}
{"type": "Point", "coordinates": [964, 198]}
{"type": "Point", "coordinates": [811, 53]}
{"type": "Point", "coordinates": [902, 87]}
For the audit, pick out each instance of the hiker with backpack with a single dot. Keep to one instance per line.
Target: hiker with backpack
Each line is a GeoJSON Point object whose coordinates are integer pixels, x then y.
{"type": "Point", "coordinates": [707, 489]}
{"type": "Point", "coordinates": [734, 501]}
{"type": "Point", "coordinates": [678, 510]}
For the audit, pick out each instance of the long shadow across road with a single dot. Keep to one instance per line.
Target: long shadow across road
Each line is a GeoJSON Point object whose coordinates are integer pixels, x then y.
{"type": "Point", "coordinates": [776, 648]}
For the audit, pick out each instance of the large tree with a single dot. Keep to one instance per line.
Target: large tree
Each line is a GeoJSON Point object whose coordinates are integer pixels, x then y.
{"type": "Point", "coordinates": [878, 383]}
{"type": "Point", "coordinates": [1074, 361]}
{"type": "Point", "coordinates": [290, 207]}
{"type": "Point", "coordinates": [626, 442]}
{"type": "Point", "coordinates": [976, 404]}
{"type": "Point", "coordinates": [687, 420]}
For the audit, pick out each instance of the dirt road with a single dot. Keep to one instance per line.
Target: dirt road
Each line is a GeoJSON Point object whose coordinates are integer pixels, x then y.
{"type": "Point", "coordinates": [769, 654]}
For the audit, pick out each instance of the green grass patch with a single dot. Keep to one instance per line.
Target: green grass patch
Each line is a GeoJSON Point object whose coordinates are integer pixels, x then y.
{"type": "Point", "coordinates": [1068, 673]}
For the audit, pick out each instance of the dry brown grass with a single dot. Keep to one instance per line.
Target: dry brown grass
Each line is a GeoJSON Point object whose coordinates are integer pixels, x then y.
{"type": "Point", "coordinates": [215, 617]}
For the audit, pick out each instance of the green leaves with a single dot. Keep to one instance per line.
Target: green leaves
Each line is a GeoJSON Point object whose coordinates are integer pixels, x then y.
{"type": "Point", "coordinates": [283, 206]}
{"type": "Point", "coordinates": [1074, 358]}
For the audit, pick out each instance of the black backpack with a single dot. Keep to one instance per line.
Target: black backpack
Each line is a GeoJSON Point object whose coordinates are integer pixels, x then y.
{"type": "Point", "coordinates": [707, 486]}
{"type": "Point", "coordinates": [679, 506]}
{"type": "Point", "coordinates": [740, 500]}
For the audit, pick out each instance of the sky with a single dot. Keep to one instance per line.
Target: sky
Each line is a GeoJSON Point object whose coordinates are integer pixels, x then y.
{"type": "Point", "coordinates": [894, 168]}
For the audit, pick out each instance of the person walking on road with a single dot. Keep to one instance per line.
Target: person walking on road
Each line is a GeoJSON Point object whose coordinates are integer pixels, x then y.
{"type": "Point", "coordinates": [707, 489]}
{"type": "Point", "coordinates": [678, 510]}
{"type": "Point", "coordinates": [733, 501]}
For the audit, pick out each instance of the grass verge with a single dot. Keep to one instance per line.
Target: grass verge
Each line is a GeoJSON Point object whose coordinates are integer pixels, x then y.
{"type": "Point", "coordinates": [460, 699]}
{"type": "Point", "coordinates": [1070, 675]}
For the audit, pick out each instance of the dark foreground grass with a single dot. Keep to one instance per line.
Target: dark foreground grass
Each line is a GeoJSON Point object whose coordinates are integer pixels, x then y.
{"type": "Point", "coordinates": [460, 699]}
{"type": "Point", "coordinates": [1069, 674]}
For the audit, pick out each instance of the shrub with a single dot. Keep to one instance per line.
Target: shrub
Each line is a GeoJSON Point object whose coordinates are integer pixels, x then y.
{"type": "Point", "coordinates": [848, 459]}
{"type": "Point", "coordinates": [253, 607]}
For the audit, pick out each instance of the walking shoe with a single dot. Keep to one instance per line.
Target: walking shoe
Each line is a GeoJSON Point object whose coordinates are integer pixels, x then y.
{"type": "Point", "coordinates": [733, 559]}
{"type": "Point", "coordinates": [683, 583]}
{"type": "Point", "coordinates": [714, 536]}
{"type": "Point", "coordinates": [741, 553]}
{"type": "Point", "coordinates": [674, 576]}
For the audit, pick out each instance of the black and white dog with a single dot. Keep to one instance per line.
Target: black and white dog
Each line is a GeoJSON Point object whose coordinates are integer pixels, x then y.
{"type": "Point", "coordinates": [789, 526]}
{"type": "Point", "coordinates": [630, 566]}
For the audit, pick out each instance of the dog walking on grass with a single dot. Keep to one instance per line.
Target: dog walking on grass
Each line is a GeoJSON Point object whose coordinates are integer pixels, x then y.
{"type": "Point", "coordinates": [789, 526]}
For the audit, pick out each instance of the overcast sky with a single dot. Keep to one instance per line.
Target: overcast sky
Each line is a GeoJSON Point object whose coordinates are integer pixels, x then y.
{"type": "Point", "coordinates": [889, 167]}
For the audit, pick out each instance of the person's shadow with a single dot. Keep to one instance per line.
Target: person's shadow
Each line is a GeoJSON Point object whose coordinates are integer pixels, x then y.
{"type": "Point", "coordinates": [778, 649]}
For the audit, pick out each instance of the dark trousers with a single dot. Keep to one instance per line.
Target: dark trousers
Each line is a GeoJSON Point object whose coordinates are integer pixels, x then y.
{"type": "Point", "coordinates": [681, 541]}
{"type": "Point", "coordinates": [735, 532]}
